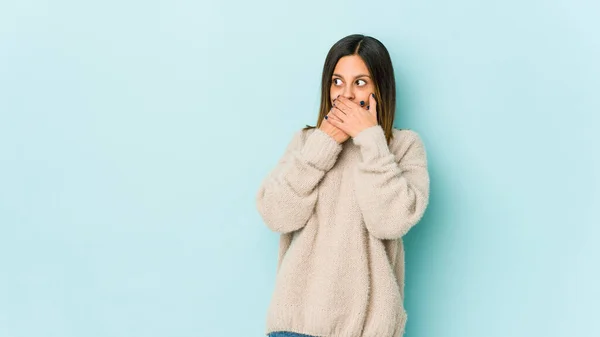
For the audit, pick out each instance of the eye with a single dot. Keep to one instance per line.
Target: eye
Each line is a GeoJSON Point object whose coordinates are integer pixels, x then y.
{"type": "Point", "coordinates": [357, 81]}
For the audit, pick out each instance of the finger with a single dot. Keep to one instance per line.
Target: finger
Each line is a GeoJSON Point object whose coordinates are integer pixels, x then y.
{"type": "Point", "coordinates": [372, 107]}
{"type": "Point", "coordinates": [339, 106]}
{"type": "Point", "coordinates": [338, 124]}
{"type": "Point", "coordinates": [339, 115]}
{"type": "Point", "coordinates": [351, 104]}
{"type": "Point", "coordinates": [329, 117]}
{"type": "Point", "coordinates": [345, 104]}
{"type": "Point", "coordinates": [333, 115]}
{"type": "Point", "coordinates": [350, 107]}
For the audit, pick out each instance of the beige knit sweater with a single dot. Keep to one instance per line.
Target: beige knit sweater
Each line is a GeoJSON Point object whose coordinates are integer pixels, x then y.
{"type": "Point", "coordinates": [341, 211]}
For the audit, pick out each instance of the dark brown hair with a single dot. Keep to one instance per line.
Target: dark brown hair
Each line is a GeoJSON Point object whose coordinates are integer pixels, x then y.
{"type": "Point", "coordinates": [379, 64]}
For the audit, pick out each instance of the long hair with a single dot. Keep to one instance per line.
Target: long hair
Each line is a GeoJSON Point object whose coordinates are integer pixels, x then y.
{"type": "Point", "coordinates": [379, 64]}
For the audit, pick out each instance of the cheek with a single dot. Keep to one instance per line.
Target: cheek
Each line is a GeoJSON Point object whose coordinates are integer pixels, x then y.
{"type": "Point", "coordinates": [333, 94]}
{"type": "Point", "coordinates": [367, 92]}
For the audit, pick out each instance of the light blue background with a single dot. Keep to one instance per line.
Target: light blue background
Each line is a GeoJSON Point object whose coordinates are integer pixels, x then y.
{"type": "Point", "coordinates": [134, 135]}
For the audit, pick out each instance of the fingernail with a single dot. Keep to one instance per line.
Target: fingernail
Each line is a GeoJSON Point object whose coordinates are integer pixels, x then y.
{"type": "Point", "coordinates": [326, 117]}
{"type": "Point", "coordinates": [362, 103]}
{"type": "Point", "coordinates": [373, 95]}
{"type": "Point", "coordinates": [368, 107]}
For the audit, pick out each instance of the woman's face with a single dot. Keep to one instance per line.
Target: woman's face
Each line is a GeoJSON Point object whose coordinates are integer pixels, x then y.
{"type": "Point", "coordinates": [351, 79]}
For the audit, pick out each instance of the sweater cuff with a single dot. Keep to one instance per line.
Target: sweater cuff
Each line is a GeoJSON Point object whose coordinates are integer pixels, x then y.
{"type": "Point", "coordinates": [372, 143]}
{"type": "Point", "coordinates": [321, 150]}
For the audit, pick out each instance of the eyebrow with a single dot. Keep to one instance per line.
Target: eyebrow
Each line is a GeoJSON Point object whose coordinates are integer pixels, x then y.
{"type": "Point", "coordinates": [357, 76]}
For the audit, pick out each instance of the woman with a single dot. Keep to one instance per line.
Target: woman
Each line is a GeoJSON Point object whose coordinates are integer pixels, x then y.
{"type": "Point", "coordinates": [342, 196]}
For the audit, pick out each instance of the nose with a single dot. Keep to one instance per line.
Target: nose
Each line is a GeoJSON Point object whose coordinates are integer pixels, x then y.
{"type": "Point", "coordinates": [348, 93]}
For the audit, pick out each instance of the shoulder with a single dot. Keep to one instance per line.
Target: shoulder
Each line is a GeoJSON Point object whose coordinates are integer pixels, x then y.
{"type": "Point", "coordinates": [304, 133]}
{"type": "Point", "coordinates": [405, 140]}
{"type": "Point", "coordinates": [406, 136]}
{"type": "Point", "coordinates": [299, 137]}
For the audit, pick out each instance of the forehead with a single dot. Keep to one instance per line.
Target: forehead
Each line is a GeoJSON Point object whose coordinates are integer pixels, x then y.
{"type": "Point", "coordinates": [351, 65]}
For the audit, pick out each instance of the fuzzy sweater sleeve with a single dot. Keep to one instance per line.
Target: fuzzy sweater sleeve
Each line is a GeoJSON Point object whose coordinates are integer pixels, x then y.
{"type": "Point", "coordinates": [287, 196]}
{"type": "Point", "coordinates": [392, 195]}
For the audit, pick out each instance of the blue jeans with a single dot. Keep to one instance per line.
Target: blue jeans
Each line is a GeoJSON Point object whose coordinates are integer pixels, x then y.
{"type": "Point", "coordinates": [288, 334]}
